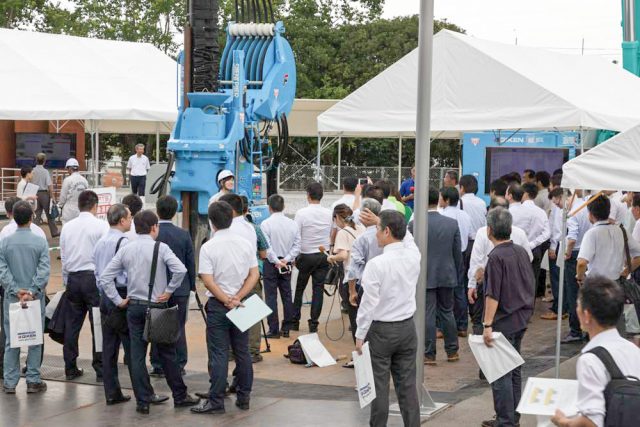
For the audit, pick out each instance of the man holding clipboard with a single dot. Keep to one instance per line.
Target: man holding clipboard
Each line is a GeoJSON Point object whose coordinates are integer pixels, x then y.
{"type": "Point", "coordinates": [229, 270]}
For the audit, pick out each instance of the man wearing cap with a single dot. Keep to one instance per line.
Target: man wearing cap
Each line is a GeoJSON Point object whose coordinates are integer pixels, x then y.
{"type": "Point", "coordinates": [72, 186]}
{"type": "Point", "coordinates": [226, 181]}
{"type": "Point", "coordinates": [138, 166]}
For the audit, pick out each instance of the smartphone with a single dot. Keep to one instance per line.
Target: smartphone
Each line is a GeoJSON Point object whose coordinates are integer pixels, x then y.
{"type": "Point", "coordinates": [285, 270]}
{"type": "Point", "coordinates": [362, 181]}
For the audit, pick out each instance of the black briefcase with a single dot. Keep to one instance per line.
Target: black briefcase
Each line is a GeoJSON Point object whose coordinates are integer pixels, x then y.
{"type": "Point", "coordinates": [162, 325]}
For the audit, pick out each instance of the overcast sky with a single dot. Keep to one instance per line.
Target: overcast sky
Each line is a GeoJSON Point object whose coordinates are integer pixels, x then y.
{"type": "Point", "coordinates": [558, 24]}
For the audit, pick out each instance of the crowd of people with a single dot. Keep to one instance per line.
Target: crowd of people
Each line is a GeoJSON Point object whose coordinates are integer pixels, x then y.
{"type": "Point", "coordinates": [485, 268]}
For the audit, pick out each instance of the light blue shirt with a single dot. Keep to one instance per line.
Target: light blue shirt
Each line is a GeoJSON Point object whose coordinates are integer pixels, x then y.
{"type": "Point", "coordinates": [24, 263]}
{"type": "Point", "coordinates": [364, 248]}
{"type": "Point", "coordinates": [135, 260]}
{"type": "Point", "coordinates": [103, 253]}
{"type": "Point", "coordinates": [578, 224]}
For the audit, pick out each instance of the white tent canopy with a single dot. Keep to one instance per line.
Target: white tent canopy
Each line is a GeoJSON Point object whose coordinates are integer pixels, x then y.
{"type": "Point", "coordinates": [612, 165]}
{"type": "Point", "coordinates": [112, 86]}
{"type": "Point", "coordinates": [483, 85]}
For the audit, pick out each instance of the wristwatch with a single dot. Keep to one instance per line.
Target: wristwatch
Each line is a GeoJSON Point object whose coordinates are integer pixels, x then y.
{"type": "Point", "coordinates": [487, 325]}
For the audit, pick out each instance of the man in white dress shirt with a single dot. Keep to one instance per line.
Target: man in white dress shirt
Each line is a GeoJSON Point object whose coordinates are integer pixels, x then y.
{"type": "Point", "coordinates": [555, 224]}
{"type": "Point", "coordinates": [11, 228]}
{"type": "Point", "coordinates": [600, 305]}
{"type": "Point", "coordinates": [229, 270]}
{"type": "Point", "coordinates": [138, 166]}
{"type": "Point", "coordinates": [449, 204]}
{"type": "Point", "coordinates": [77, 242]}
{"type": "Point", "coordinates": [577, 227]}
{"type": "Point", "coordinates": [479, 257]}
{"type": "Point", "coordinates": [284, 242]}
{"type": "Point", "coordinates": [72, 186]}
{"type": "Point", "coordinates": [533, 220]}
{"type": "Point", "coordinates": [385, 319]}
{"type": "Point", "coordinates": [603, 251]}
{"type": "Point", "coordinates": [314, 223]}
{"type": "Point", "coordinates": [348, 198]}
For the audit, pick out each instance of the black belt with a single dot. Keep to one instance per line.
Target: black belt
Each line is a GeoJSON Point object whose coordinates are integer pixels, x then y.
{"type": "Point", "coordinates": [43, 191]}
{"type": "Point", "coordinates": [395, 321]}
{"type": "Point", "coordinates": [145, 303]}
{"type": "Point", "coordinates": [73, 273]}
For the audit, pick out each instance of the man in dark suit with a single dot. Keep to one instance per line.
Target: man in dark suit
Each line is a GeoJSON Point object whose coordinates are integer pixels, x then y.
{"type": "Point", "coordinates": [179, 241]}
{"type": "Point", "coordinates": [444, 259]}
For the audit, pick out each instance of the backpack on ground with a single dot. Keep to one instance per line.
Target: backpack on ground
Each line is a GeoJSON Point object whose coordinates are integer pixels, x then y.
{"type": "Point", "coordinates": [622, 394]}
{"type": "Point", "coordinates": [295, 353]}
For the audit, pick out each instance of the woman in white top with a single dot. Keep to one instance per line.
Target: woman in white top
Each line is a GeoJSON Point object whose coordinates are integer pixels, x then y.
{"type": "Point", "coordinates": [348, 232]}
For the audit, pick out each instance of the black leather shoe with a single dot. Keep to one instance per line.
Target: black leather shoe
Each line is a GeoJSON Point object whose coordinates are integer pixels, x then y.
{"type": "Point", "coordinates": [244, 405]}
{"type": "Point", "coordinates": [202, 395]}
{"type": "Point", "coordinates": [231, 389]}
{"type": "Point", "coordinates": [158, 398]}
{"type": "Point", "coordinates": [72, 374]}
{"type": "Point", "coordinates": [142, 408]}
{"type": "Point", "coordinates": [206, 407]}
{"type": "Point", "coordinates": [295, 326]}
{"type": "Point", "coordinates": [120, 399]}
{"type": "Point", "coordinates": [187, 401]}
{"type": "Point", "coordinates": [285, 334]}
{"type": "Point", "coordinates": [313, 329]}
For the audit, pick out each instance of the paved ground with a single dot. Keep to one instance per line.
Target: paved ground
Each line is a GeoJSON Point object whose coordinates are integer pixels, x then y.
{"type": "Point", "coordinates": [284, 394]}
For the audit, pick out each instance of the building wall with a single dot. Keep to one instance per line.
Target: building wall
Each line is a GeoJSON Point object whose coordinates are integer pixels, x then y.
{"type": "Point", "coordinates": [9, 128]}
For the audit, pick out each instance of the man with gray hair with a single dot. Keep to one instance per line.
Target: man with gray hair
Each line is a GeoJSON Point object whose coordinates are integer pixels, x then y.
{"type": "Point", "coordinates": [138, 166]}
{"type": "Point", "coordinates": [509, 295]}
{"type": "Point", "coordinates": [119, 218]}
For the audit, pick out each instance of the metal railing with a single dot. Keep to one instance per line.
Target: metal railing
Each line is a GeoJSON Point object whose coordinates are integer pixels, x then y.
{"type": "Point", "coordinates": [297, 177]}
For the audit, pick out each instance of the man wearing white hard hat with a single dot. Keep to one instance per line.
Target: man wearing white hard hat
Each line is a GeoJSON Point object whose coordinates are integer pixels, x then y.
{"type": "Point", "coordinates": [226, 181]}
{"type": "Point", "coordinates": [72, 186]}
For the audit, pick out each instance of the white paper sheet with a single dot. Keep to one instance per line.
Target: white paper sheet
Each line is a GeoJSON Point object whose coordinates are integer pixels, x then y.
{"type": "Point", "coordinates": [30, 190]}
{"type": "Point", "coordinates": [97, 328]}
{"type": "Point", "coordinates": [53, 304]}
{"type": "Point", "coordinates": [254, 310]}
{"type": "Point", "coordinates": [314, 351]}
{"type": "Point", "coordinates": [364, 376]}
{"type": "Point", "coordinates": [495, 361]}
{"type": "Point", "coordinates": [542, 396]}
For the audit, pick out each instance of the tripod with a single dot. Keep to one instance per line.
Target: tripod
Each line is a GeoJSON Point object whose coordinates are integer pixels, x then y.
{"type": "Point", "coordinates": [266, 340]}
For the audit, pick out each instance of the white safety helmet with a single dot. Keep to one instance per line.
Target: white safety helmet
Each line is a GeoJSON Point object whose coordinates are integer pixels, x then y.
{"type": "Point", "coordinates": [224, 174]}
{"type": "Point", "coordinates": [72, 163]}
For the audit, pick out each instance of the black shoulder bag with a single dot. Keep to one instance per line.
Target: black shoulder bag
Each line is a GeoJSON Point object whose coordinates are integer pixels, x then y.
{"type": "Point", "coordinates": [162, 325]}
{"type": "Point", "coordinates": [117, 318]}
{"type": "Point", "coordinates": [630, 288]}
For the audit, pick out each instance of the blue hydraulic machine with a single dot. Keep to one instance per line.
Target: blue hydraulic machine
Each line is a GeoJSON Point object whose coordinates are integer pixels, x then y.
{"type": "Point", "coordinates": [230, 103]}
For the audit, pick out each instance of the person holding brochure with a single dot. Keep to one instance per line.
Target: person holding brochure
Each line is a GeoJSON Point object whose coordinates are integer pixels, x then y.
{"type": "Point", "coordinates": [24, 273]}
{"type": "Point", "coordinates": [385, 320]}
{"type": "Point", "coordinates": [600, 305]}
{"type": "Point", "coordinates": [229, 269]}
{"type": "Point", "coordinates": [509, 295]}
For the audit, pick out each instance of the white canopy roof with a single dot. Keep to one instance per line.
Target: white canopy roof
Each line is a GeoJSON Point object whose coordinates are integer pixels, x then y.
{"type": "Point", "coordinates": [612, 165]}
{"type": "Point", "coordinates": [484, 85]}
{"type": "Point", "coordinates": [118, 86]}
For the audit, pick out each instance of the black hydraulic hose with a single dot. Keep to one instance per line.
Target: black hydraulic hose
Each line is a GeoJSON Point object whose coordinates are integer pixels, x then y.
{"type": "Point", "coordinates": [271, 11]}
{"type": "Point", "coordinates": [237, 12]}
{"type": "Point", "coordinates": [242, 10]}
{"type": "Point", "coordinates": [264, 10]}
{"type": "Point", "coordinates": [256, 8]}
{"type": "Point", "coordinates": [160, 185]}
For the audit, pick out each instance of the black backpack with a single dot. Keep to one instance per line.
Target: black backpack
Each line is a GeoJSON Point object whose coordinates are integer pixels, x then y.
{"type": "Point", "coordinates": [295, 353]}
{"type": "Point", "coordinates": [622, 394]}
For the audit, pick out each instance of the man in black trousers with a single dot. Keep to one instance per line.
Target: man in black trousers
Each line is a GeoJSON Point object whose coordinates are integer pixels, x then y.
{"type": "Point", "coordinates": [179, 241]}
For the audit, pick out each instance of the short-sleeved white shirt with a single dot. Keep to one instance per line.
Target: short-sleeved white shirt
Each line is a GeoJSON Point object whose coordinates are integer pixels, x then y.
{"type": "Point", "coordinates": [228, 257]}
{"type": "Point", "coordinates": [593, 376]}
{"type": "Point", "coordinates": [603, 247]}
{"type": "Point", "coordinates": [138, 165]}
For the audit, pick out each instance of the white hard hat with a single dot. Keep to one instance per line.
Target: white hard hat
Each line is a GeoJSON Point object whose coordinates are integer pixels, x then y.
{"type": "Point", "coordinates": [72, 163]}
{"type": "Point", "coordinates": [223, 174]}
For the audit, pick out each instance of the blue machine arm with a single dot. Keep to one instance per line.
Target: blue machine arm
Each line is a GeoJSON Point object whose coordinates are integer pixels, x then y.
{"type": "Point", "coordinates": [228, 129]}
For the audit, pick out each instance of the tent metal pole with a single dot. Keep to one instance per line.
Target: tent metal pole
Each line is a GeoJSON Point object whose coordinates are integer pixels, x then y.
{"type": "Point", "coordinates": [399, 161]}
{"type": "Point", "coordinates": [157, 144]}
{"type": "Point", "coordinates": [423, 147]}
{"type": "Point", "coordinates": [318, 159]}
{"type": "Point", "coordinates": [96, 164]}
{"type": "Point", "coordinates": [560, 261]}
{"type": "Point", "coordinates": [339, 162]}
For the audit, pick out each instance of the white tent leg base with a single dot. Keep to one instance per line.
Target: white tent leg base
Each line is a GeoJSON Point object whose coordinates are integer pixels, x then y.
{"type": "Point", "coordinates": [428, 408]}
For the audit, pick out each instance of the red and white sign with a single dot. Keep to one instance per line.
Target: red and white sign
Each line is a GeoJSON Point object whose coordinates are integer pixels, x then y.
{"type": "Point", "coordinates": [106, 199]}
